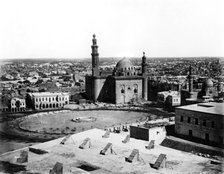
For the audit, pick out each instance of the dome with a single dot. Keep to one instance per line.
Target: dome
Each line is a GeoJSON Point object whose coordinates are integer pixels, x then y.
{"type": "Point", "coordinates": [124, 63]}
{"type": "Point", "coordinates": [208, 83]}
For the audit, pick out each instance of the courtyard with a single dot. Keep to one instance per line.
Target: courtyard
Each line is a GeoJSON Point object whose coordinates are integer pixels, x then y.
{"type": "Point", "coordinates": [44, 126]}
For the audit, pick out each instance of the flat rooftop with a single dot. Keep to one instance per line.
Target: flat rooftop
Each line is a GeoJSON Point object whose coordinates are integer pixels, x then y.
{"type": "Point", "coordinates": [172, 93]}
{"type": "Point", "coordinates": [72, 157]}
{"type": "Point", "coordinates": [37, 94]}
{"type": "Point", "coordinates": [211, 108]}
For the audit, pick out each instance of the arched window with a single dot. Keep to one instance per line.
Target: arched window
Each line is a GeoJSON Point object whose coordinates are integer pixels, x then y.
{"type": "Point", "coordinates": [135, 88]}
{"type": "Point", "coordinates": [122, 89]}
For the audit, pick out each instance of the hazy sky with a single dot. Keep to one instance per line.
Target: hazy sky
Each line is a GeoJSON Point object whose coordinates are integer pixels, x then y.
{"type": "Point", "coordinates": [124, 28]}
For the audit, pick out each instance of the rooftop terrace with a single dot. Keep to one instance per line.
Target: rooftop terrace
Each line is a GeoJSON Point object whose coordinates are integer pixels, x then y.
{"type": "Point", "coordinates": [89, 160]}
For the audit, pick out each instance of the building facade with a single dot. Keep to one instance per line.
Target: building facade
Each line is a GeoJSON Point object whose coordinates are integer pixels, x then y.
{"type": "Point", "coordinates": [14, 105]}
{"type": "Point", "coordinates": [125, 84]}
{"type": "Point", "coordinates": [203, 121]}
{"type": "Point", "coordinates": [17, 104]}
{"type": "Point", "coordinates": [47, 100]}
{"type": "Point", "coordinates": [169, 98]}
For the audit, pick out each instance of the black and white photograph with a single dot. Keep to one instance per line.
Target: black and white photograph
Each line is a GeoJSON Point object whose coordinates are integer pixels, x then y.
{"type": "Point", "coordinates": [112, 87]}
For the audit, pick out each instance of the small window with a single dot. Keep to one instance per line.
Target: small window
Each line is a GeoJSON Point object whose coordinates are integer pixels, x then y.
{"type": "Point", "coordinates": [196, 121]}
{"type": "Point", "coordinates": [181, 118]}
{"type": "Point", "coordinates": [213, 124]}
{"type": "Point", "coordinates": [189, 119]}
{"type": "Point", "coordinates": [204, 123]}
{"type": "Point", "coordinates": [122, 91]}
{"type": "Point", "coordinates": [129, 88]}
{"type": "Point", "coordinates": [135, 90]}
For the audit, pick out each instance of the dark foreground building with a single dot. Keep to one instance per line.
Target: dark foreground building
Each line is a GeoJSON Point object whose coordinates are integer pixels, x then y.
{"type": "Point", "coordinates": [202, 121]}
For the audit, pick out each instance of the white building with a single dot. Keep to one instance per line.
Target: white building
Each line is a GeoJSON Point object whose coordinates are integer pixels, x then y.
{"type": "Point", "coordinates": [169, 98]}
{"type": "Point", "coordinates": [18, 104]}
{"type": "Point", "coordinates": [48, 100]}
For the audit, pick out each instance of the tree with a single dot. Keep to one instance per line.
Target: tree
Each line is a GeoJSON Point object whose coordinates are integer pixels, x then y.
{"type": "Point", "coordinates": [18, 104]}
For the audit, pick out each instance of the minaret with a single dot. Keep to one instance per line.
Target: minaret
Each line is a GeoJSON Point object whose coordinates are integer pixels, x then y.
{"type": "Point", "coordinates": [190, 80]}
{"type": "Point", "coordinates": [144, 68]}
{"type": "Point", "coordinates": [145, 78]}
{"type": "Point", "coordinates": [95, 57]}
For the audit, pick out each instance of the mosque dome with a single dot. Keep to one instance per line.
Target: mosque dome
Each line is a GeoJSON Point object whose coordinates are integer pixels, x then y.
{"type": "Point", "coordinates": [208, 83]}
{"type": "Point", "coordinates": [125, 68]}
{"type": "Point", "coordinates": [124, 64]}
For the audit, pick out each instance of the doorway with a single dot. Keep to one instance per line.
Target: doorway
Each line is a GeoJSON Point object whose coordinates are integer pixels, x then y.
{"type": "Point", "coordinates": [207, 137]}
{"type": "Point", "coordinates": [190, 133]}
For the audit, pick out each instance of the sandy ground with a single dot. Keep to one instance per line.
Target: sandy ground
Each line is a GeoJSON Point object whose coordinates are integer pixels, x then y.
{"type": "Point", "coordinates": [50, 122]}
{"type": "Point", "coordinates": [51, 125]}
{"type": "Point", "coordinates": [72, 157]}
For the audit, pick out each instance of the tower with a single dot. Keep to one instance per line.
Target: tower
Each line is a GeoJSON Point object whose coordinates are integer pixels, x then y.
{"type": "Point", "coordinates": [95, 57]}
{"type": "Point", "coordinates": [145, 79]}
{"type": "Point", "coordinates": [144, 68]}
{"type": "Point", "coordinates": [190, 80]}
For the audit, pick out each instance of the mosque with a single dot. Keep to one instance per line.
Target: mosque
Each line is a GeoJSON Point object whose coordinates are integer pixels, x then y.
{"type": "Point", "coordinates": [125, 84]}
{"type": "Point", "coordinates": [208, 92]}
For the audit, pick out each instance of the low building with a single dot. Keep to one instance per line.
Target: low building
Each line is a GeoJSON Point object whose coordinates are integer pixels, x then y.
{"type": "Point", "coordinates": [202, 121]}
{"type": "Point", "coordinates": [13, 105]}
{"type": "Point", "coordinates": [169, 99]}
{"type": "Point", "coordinates": [47, 100]}
{"type": "Point", "coordinates": [17, 104]}
{"type": "Point", "coordinates": [149, 132]}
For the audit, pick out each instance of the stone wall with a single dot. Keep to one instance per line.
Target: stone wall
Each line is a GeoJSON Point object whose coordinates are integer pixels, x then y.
{"type": "Point", "coordinates": [129, 93]}
{"type": "Point", "coordinates": [199, 124]}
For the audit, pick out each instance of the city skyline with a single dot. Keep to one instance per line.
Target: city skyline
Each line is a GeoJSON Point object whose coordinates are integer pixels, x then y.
{"type": "Point", "coordinates": [49, 29]}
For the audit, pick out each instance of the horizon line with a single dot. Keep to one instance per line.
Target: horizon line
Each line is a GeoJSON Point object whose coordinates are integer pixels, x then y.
{"type": "Point", "coordinates": [110, 57]}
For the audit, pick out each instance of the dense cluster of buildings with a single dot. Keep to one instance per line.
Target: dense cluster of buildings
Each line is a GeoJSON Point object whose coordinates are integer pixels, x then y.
{"type": "Point", "coordinates": [199, 117]}
{"type": "Point", "coordinates": [202, 121]}
{"type": "Point", "coordinates": [127, 83]}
